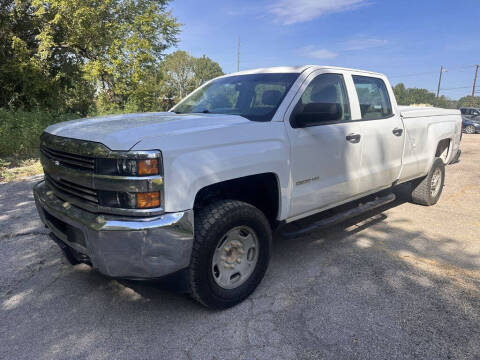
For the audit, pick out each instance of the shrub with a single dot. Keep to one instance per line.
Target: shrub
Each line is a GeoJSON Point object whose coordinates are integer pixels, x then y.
{"type": "Point", "coordinates": [20, 130]}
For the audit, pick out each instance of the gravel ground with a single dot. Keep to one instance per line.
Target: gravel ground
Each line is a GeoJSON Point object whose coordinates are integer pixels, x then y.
{"type": "Point", "coordinates": [401, 282]}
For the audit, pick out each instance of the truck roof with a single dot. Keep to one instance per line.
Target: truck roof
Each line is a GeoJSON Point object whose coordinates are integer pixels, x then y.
{"type": "Point", "coordinates": [296, 69]}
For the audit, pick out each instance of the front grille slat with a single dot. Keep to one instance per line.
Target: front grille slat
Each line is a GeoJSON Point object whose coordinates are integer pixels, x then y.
{"type": "Point", "coordinates": [81, 158]}
{"type": "Point", "coordinates": [77, 192]}
{"type": "Point", "coordinates": [70, 160]}
{"type": "Point", "coordinates": [80, 187]}
{"type": "Point", "coordinates": [70, 189]}
{"type": "Point", "coordinates": [71, 163]}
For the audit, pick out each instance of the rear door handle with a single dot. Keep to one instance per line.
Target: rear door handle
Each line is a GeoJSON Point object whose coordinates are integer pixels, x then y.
{"type": "Point", "coordinates": [353, 138]}
{"type": "Point", "coordinates": [397, 132]}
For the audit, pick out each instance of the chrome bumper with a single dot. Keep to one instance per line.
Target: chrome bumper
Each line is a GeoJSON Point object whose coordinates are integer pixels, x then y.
{"type": "Point", "coordinates": [120, 246]}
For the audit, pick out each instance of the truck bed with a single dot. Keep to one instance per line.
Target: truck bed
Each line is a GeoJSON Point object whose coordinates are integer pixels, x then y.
{"type": "Point", "coordinates": [418, 111]}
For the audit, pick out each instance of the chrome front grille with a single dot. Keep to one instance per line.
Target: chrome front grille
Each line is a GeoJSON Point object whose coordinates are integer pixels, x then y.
{"type": "Point", "coordinates": [70, 160]}
{"type": "Point", "coordinates": [64, 187]}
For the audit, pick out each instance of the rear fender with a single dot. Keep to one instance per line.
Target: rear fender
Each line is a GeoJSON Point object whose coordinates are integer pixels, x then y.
{"type": "Point", "coordinates": [436, 133]}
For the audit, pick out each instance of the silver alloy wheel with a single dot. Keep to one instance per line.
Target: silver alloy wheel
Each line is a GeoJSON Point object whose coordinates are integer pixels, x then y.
{"type": "Point", "coordinates": [235, 257]}
{"type": "Point", "coordinates": [470, 129]}
{"type": "Point", "coordinates": [436, 182]}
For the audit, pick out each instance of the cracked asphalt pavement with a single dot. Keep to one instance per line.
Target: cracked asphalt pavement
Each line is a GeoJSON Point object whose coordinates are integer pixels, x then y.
{"type": "Point", "coordinates": [401, 282]}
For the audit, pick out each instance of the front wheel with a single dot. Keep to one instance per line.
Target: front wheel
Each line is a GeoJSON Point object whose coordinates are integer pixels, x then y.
{"type": "Point", "coordinates": [230, 254]}
{"type": "Point", "coordinates": [427, 191]}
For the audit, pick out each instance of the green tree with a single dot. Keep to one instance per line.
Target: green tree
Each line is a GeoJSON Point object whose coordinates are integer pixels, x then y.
{"type": "Point", "coordinates": [183, 72]}
{"type": "Point", "coordinates": [409, 96]}
{"type": "Point", "coordinates": [205, 69]}
{"type": "Point", "coordinates": [23, 79]}
{"type": "Point", "coordinates": [117, 43]}
{"type": "Point", "coordinates": [466, 101]}
{"type": "Point", "coordinates": [400, 93]}
{"type": "Point", "coordinates": [178, 69]}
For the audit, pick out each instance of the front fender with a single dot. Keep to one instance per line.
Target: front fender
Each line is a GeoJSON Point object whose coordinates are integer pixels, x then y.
{"type": "Point", "coordinates": [192, 162]}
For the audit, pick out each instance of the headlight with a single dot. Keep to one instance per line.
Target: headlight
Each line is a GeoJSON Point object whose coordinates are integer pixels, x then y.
{"type": "Point", "coordinates": [141, 167]}
{"type": "Point", "coordinates": [132, 164]}
{"type": "Point", "coordinates": [124, 166]}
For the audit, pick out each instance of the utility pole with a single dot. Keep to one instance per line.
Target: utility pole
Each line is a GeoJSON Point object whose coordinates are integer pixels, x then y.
{"type": "Point", "coordinates": [238, 55]}
{"type": "Point", "coordinates": [442, 70]}
{"type": "Point", "coordinates": [474, 84]}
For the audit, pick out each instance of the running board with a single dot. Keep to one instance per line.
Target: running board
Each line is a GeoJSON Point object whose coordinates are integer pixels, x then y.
{"type": "Point", "coordinates": [337, 218]}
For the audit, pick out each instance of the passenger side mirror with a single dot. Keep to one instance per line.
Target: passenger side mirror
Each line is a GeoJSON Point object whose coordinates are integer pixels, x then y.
{"type": "Point", "coordinates": [315, 114]}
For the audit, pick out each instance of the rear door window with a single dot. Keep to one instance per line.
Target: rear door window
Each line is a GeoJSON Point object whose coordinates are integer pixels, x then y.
{"type": "Point", "coordinates": [373, 97]}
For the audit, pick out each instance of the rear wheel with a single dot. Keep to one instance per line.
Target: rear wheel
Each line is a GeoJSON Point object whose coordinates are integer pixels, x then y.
{"type": "Point", "coordinates": [230, 254]}
{"type": "Point", "coordinates": [470, 129]}
{"type": "Point", "coordinates": [427, 191]}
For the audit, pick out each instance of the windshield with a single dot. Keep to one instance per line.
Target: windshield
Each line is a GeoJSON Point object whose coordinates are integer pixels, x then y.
{"type": "Point", "coordinates": [255, 97]}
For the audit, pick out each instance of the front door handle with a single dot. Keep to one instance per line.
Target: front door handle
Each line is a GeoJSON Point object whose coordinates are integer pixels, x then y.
{"type": "Point", "coordinates": [353, 138]}
{"type": "Point", "coordinates": [397, 132]}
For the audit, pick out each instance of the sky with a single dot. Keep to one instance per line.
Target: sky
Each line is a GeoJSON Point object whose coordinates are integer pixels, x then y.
{"type": "Point", "coordinates": [406, 40]}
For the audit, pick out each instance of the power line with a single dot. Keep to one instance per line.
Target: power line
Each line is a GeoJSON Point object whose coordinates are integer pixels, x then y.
{"type": "Point", "coordinates": [418, 74]}
{"type": "Point", "coordinates": [459, 68]}
{"type": "Point", "coordinates": [463, 70]}
{"type": "Point", "coordinates": [450, 69]}
{"type": "Point", "coordinates": [455, 88]}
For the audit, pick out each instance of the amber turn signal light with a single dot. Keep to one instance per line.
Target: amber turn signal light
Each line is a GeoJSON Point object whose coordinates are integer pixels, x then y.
{"type": "Point", "coordinates": [148, 200]}
{"type": "Point", "coordinates": [147, 167]}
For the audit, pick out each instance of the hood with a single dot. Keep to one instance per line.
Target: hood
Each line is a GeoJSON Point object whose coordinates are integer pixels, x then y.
{"type": "Point", "coordinates": [122, 132]}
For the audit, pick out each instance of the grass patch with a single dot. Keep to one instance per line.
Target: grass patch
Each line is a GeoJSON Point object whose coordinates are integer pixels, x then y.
{"type": "Point", "coordinates": [15, 169]}
{"type": "Point", "coordinates": [20, 141]}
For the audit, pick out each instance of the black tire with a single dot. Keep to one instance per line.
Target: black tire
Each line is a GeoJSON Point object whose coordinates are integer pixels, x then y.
{"type": "Point", "coordinates": [211, 224]}
{"type": "Point", "coordinates": [470, 129]}
{"type": "Point", "coordinates": [422, 188]}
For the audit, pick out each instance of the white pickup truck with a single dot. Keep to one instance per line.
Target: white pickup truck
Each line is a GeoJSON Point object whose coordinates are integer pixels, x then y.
{"type": "Point", "coordinates": [198, 190]}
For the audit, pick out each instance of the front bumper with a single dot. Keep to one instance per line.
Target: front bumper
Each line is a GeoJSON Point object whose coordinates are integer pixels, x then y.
{"type": "Point", "coordinates": [120, 246]}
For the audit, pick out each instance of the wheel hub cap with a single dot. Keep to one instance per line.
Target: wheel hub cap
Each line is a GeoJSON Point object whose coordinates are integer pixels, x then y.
{"type": "Point", "coordinates": [235, 257]}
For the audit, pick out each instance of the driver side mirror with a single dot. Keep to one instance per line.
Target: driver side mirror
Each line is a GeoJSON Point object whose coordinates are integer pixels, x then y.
{"type": "Point", "coordinates": [315, 114]}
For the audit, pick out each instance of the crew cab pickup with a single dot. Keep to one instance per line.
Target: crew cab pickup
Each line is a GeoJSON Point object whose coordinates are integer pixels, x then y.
{"type": "Point", "coordinates": [198, 191]}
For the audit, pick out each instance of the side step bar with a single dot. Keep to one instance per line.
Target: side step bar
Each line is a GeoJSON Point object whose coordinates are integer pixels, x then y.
{"type": "Point", "coordinates": [337, 218]}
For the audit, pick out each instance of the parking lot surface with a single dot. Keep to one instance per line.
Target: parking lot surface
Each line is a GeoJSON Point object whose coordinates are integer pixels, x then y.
{"type": "Point", "coordinates": [401, 282]}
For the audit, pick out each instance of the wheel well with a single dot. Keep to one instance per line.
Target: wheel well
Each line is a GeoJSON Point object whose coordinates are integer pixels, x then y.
{"type": "Point", "coordinates": [443, 150]}
{"type": "Point", "coordinates": [261, 190]}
